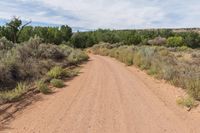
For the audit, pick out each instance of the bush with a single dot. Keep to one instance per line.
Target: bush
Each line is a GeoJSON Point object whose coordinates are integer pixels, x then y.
{"type": "Point", "coordinates": [57, 83]}
{"type": "Point", "coordinates": [31, 60]}
{"type": "Point", "coordinates": [43, 87]}
{"type": "Point", "coordinates": [50, 52]}
{"type": "Point", "coordinates": [158, 41]}
{"type": "Point", "coordinates": [77, 56]}
{"type": "Point", "coordinates": [183, 48]}
{"type": "Point", "coordinates": [175, 41]}
{"type": "Point", "coordinates": [5, 44]}
{"type": "Point", "coordinates": [71, 72]}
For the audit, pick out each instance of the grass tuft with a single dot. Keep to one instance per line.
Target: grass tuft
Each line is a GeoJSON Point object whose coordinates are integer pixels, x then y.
{"type": "Point", "coordinates": [188, 102]}
{"type": "Point", "coordinates": [43, 87]}
{"type": "Point", "coordinates": [56, 72]}
{"type": "Point", "coordinates": [15, 94]}
{"type": "Point", "coordinates": [57, 83]}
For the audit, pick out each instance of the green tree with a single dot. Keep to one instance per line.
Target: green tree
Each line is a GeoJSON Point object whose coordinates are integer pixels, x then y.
{"type": "Point", "coordinates": [66, 32]}
{"type": "Point", "coordinates": [26, 34]}
{"type": "Point", "coordinates": [78, 40]}
{"type": "Point", "coordinates": [16, 27]}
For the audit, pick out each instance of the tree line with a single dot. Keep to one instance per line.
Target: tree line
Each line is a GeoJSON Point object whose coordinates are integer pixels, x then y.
{"type": "Point", "coordinates": [18, 32]}
{"type": "Point", "coordinates": [165, 37]}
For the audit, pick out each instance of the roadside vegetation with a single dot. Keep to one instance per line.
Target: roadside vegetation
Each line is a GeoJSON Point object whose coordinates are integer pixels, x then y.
{"type": "Point", "coordinates": [35, 57]}
{"type": "Point", "coordinates": [177, 65]}
{"type": "Point", "coordinates": [24, 63]}
{"type": "Point", "coordinates": [43, 87]}
{"type": "Point", "coordinates": [58, 83]}
{"type": "Point", "coordinates": [188, 102]}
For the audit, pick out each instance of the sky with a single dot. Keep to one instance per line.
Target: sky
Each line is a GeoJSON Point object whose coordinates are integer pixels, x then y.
{"type": "Point", "coordinates": [106, 14]}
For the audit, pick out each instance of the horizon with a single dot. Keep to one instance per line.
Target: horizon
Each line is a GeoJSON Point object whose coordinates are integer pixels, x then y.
{"type": "Point", "coordinates": [82, 29]}
{"type": "Point", "coordinates": [91, 15]}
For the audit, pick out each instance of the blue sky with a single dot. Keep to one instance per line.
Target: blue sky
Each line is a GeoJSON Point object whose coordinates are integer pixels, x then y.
{"type": "Point", "coordinates": [113, 14]}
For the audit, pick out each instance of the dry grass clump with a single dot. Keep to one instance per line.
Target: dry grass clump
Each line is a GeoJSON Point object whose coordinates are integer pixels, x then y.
{"type": "Point", "coordinates": [15, 94]}
{"type": "Point", "coordinates": [43, 87]}
{"type": "Point", "coordinates": [57, 72]}
{"type": "Point", "coordinates": [188, 102]}
{"type": "Point", "coordinates": [57, 83]}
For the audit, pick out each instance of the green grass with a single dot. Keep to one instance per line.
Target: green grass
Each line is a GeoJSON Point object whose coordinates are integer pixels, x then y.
{"type": "Point", "coordinates": [188, 102]}
{"type": "Point", "coordinates": [152, 71]}
{"type": "Point", "coordinates": [56, 72]}
{"type": "Point", "coordinates": [60, 73]}
{"type": "Point", "coordinates": [43, 87]}
{"type": "Point", "coordinates": [15, 94]}
{"type": "Point", "coordinates": [57, 83]}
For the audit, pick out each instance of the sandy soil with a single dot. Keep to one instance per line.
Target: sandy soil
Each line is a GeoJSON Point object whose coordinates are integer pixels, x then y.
{"type": "Point", "coordinates": [108, 97]}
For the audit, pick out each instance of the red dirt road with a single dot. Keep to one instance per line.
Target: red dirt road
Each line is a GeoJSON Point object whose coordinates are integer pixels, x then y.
{"type": "Point", "coordinates": [108, 97]}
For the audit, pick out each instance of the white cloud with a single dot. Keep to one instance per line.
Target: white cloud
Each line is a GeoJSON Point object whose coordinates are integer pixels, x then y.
{"type": "Point", "coordinates": [118, 14]}
{"type": "Point", "coordinates": [109, 14]}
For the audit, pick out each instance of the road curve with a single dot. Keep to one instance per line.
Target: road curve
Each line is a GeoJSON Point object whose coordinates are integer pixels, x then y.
{"type": "Point", "coordinates": [107, 97]}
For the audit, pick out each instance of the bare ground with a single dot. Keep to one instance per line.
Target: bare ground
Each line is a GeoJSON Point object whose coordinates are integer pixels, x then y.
{"type": "Point", "coordinates": [108, 97]}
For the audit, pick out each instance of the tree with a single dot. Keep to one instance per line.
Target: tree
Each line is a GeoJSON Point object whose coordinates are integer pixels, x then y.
{"type": "Point", "coordinates": [26, 34]}
{"type": "Point", "coordinates": [191, 39]}
{"type": "Point", "coordinates": [78, 40]}
{"type": "Point", "coordinates": [66, 32]}
{"type": "Point", "coordinates": [16, 27]}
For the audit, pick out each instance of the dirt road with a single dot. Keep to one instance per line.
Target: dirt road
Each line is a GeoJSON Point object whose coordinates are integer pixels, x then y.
{"type": "Point", "coordinates": [108, 97]}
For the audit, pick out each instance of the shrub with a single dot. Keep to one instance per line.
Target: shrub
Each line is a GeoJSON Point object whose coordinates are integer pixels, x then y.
{"type": "Point", "coordinates": [175, 41]}
{"type": "Point", "coordinates": [77, 56]}
{"type": "Point", "coordinates": [183, 48]}
{"type": "Point", "coordinates": [51, 52]}
{"type": "Point", "coordinates": [71, 72]}
{"type": "Point", "coordinates": [5, 44]}
{"type": "Point", "coordinates": [57, 83]}
{"type": "Point", "coordinates": [157, 41]}
{"type": "Point", "coordinates": [43, 87]}
{"type": "Point", "coordinates": [5, 77]}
